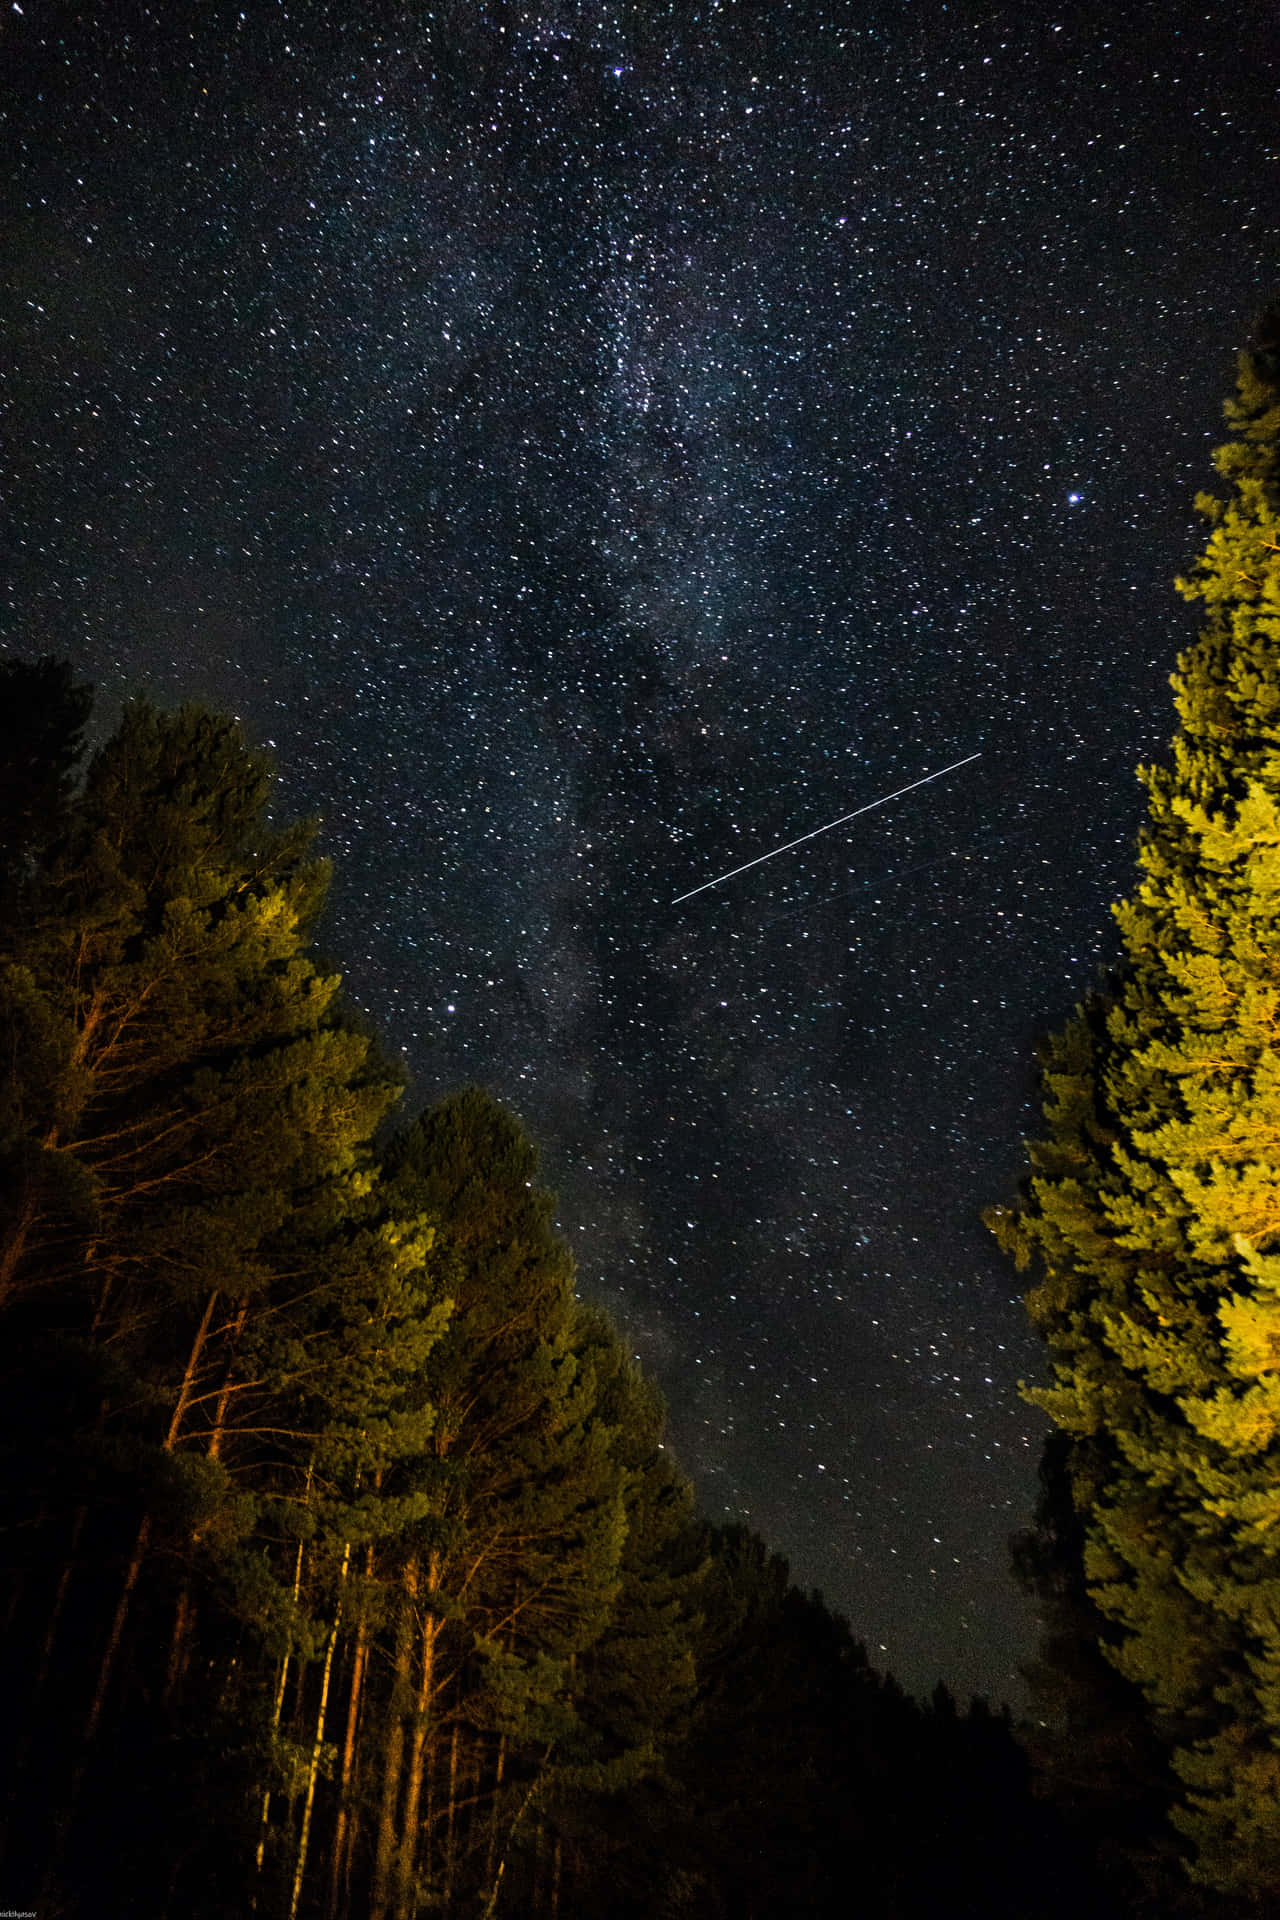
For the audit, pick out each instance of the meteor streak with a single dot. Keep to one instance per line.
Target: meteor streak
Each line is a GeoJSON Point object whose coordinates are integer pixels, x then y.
{"type": "Point", "coordinates": [883, 801]}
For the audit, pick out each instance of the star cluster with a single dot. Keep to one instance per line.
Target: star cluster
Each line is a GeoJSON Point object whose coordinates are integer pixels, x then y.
{"type": "Point", "coordinates": [596, 443]}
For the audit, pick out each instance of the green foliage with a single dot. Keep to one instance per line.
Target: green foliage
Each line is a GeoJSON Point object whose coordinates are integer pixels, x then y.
{"type": "Point", "coordinates": [515, 1569]}
{"type": "Point", "coordinates": [1093, 1751]}
{"type": "Point", "coordinates": [1154, 1200]}
{"type": "Point", "coordinates": [347, 1572]}
{"type": "Point", "coordinates": [205, 1301]}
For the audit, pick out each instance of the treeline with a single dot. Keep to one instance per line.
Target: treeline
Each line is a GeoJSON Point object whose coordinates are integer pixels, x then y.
{"type": "Point", "coordinates": [346, 1572]}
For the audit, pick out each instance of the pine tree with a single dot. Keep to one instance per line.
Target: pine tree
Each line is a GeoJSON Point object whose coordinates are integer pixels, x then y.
{"type": "Point", "coordinates": [1092, 1748]}
{"type": "Point", "coordinates": [205, 1305]}
{"type": "Point", "coordinates": [611, 1801]}
{"type": "Point", "coordinates": [1152, 1215]}
{"type": "Point", "coordinates": [513, 1575]}
{"type": "Point", "coordinates": [42, 719]}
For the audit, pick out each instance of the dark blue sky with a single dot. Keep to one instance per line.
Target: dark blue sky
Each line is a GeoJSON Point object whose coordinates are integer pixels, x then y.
{"type": "Point", "coordinates": [594, 445]}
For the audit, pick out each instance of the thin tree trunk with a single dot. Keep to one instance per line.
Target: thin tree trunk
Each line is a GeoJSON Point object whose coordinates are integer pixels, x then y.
{"type": "Point", "coordinates": [392, 1766]}
{"type": "Point", "coordinates": [537, 1902]}
{"type": "Point", "coordinates": [275, 1728]}
{"type": "Point", "coordinates": [522, 1809]}
{"type": "Point", "coordinates": [55, 1613]}
{"type": "Point", "coordinates": [63, 1825]}
{"type": "Point", "coordinates": [498, 1772]}
{"type": "Point", "coordinates": [417, 1761]}
{"type": "Point", "coordinates": [139, 1554]}
{"type": "Point", "coordinates": [112, 1647]}
{"type": "Point", "coordinates": [179, 1642]}
{"type": "Point", "coordinates": [343, 1832]}
{"type": "Point", "coordinates": [189, 1377]}
{"type": "Point", "coordinates": [476, 1757]}
{"type": "Point", "coordinates": [318, 1743]}
{"type": "Point", "coordinates": [279, 1702]}
{"type": "Point", "coordinates": [349, 1816]}
{"type": "Point", "coordinates": [185, 1612]}
{"type": "Point", "coordinates": [428, 1852]}
{"type": "Point", "coordinates": [224, 1393]}
{"type": "Point", "coordinates": [16, 1246]}
{"type": "Point", "coordinates": [450, 1816]}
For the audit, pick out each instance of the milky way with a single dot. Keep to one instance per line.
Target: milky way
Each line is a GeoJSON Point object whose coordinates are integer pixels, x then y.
{"type": "Point", "coordinates": [588, 442]}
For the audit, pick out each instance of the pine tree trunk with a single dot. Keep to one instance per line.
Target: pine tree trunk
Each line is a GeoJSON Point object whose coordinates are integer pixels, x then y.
{"type": "Point", "coordinates": [465, 1825]}
{"type": "Point", "coordinates": [224, 1392]}
{"type": "Point", "coordinates": [318, 1743]}
{"type": "Point", "coordinates": [139, 1555]}
{"type": "Point", "coordinates": [47, 1645]}
{"type": "Point", "coordinates": [189, 1377]}
{"type": "Point", "coordinates": [58, 1852]}
{"type": "Point", "coordinates": [418, 1746]}
{"type": "Point", "coordinates": [386, 1851]}
{"type": "Point", "coordinates": [495, 1886]}
{"type": "Point", "coordinates": [344, 1831]}
{"type": "Point", "coordinates": [474, 1828]}
{"type": "Point", "coordinates": [498, 1772]}
{"type": "Point", "coordinates": [450, 1817]}
{"type": "Point", "coordinates": [185, 1611]}
{"type": "Point", "coordinates": [278, 1708]}
{"type": "Point", "coordinates": [281, 1684]}
{"type": "Point", "coordinates": [179, 1642]}
{"type": "Point", "coordinates": [112, 1647]}
{"type": "Point", "coordinates": [15, 1247]}
{"type": "Point", "coordinates": [537, 1892]}
{"type": "Point", "coordinates": [426, 1818]}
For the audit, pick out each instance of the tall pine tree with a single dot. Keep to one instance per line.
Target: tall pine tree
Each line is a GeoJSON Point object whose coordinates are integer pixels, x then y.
{"type": "Point", "coordinates": [205, 1309]}
{"type": "Point", "coordinates": [1152, 1215]}
{"type": "Point", "coordinates": [513, 1575]}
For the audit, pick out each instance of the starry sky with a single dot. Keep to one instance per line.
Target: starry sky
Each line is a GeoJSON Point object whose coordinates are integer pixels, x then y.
{"type": "Point", "coordinates": [594, 444]}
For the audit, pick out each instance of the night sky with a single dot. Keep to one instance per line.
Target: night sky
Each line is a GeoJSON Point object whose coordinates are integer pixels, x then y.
{"type": "Point", "coordinates": [594, 445]}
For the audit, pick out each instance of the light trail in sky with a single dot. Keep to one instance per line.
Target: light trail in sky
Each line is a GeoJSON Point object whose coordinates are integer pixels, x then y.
{"type": "Point", "coordinates": [773, 853]}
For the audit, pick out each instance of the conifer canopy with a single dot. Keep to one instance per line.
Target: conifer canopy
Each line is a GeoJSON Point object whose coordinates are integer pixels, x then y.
{"type": "Point", "coordinates": [1152, 1214]}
